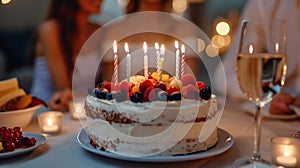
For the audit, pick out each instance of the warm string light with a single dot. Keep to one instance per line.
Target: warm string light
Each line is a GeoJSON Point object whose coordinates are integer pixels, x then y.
{"type": "Point", "coordinates": [183, 58]}
{"type": "Point", "coordinates": [115, 63]}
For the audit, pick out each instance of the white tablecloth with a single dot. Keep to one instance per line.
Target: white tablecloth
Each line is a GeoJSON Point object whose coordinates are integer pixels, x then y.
{"type": "Point", "coordinates": [63, 150]}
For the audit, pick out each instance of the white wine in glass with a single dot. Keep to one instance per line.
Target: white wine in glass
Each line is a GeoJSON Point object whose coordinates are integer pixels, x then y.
{"type": "Point", "coordinates": [261, 69]}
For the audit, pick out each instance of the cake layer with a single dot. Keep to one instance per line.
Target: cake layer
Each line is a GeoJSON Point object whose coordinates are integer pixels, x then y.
{"type": "Point", "coordinates": [178, 140]}
{"type": "Point", "coordinates": [154, 113]}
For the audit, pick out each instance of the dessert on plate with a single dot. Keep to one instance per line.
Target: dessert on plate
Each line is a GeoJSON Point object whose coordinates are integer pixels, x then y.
{"type": "Point", "coordinates": [146, 117]}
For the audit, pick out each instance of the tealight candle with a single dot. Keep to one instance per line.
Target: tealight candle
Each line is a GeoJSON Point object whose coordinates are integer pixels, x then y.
{"type": "Point", "coordinates": [285, 151]}
{"type": "Point", "coordinates": [50, 122]}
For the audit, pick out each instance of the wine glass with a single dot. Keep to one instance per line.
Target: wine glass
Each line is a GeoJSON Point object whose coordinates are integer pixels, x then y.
{"type": "Point", "coordinates": [261, 69]}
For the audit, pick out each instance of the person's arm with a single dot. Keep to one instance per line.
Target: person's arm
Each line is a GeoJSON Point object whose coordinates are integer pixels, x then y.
{"type": "Point", "coordinates": [50, 40]}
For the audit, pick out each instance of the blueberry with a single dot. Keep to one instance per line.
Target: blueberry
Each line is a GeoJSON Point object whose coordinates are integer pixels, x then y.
{"type": "Point", "coordinates": [176, 96]}
{"type": "Point", "coordinates": [109, 96]}
{"type": "Point", "coordinates": [162, 95]}
{"type": "Point", "coordinates": [101, 93]}
{"type": "Point", "coordinates": [136, 97]}
{"type": "Point", "coordinates": [205, 93]}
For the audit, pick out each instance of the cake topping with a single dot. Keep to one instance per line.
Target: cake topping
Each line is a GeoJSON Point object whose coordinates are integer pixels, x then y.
{"type": "Point", "coordinates": [140, 89]}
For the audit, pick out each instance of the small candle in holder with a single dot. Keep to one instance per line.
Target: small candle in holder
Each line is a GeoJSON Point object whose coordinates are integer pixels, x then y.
{"type": "Point", "coordinates": [50, 122]}
{"type": "Point", "coordinates": [285, 151]}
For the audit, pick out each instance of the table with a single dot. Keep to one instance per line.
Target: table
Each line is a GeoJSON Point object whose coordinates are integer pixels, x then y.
{"type": "Point", "coordinates": [63, 150]}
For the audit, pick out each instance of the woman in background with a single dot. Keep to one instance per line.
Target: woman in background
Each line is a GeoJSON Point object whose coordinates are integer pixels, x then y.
{"type": "Point", "coordinates": [59, 40]}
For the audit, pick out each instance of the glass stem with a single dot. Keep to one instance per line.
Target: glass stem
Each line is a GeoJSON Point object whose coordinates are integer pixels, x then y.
{"type": "Point", "coordinates": [257, 131]}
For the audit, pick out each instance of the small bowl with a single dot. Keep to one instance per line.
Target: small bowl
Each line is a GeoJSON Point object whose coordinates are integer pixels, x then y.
{"type": "Point", "coordinates": [20, 118]}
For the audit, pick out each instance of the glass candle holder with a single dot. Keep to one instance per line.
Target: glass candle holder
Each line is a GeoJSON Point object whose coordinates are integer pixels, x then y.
{"type": "Point", "coordinates": [285, 151]}
{"type": "Point", "coordinates": [77, 110]}
{"type": "Point", "coordinates": [50, 122]}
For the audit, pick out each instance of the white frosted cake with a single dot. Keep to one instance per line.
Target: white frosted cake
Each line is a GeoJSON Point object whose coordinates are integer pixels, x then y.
{"type": "Point", "coordinates": [142, 121]}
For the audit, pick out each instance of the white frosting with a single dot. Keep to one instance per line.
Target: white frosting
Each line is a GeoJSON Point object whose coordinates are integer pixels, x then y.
{"type": "Point", "coordinates": [165, 128]}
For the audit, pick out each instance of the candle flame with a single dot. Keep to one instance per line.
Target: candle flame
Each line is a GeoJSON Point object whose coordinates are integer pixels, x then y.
{"type": "Point", "coordinates": [162, 49]}
{"type": "Point", "coordinates": [176, 45]}
{"type": "Point", "coordinates": [182, 49]}
{"type": "Point", "coordinates": [145, 47]}
{"type": "Point", "coordinates": [126, 47]}
{"type": "Point", "coordinates": [115, 47]}
{"type": "Point", "coordinates": [50, 122]}
{"type": "Point", "coordinates": [251, 49]}
{"type": "Point", "coordinates": [156, 45]}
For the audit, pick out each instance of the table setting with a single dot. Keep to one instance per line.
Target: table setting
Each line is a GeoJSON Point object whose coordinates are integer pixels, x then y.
{"type": "Point", "coordinates": [65, 138]}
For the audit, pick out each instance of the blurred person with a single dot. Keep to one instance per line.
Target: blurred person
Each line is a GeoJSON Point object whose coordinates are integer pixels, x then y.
{"type": "Point", "coordinates": [287, 10]}
{"type": "Point", "coordinates": [148, 21]}
{"type": "Point", "coordinates": [57, 45]}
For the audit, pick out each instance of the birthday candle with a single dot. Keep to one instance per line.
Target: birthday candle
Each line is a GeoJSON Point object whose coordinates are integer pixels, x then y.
{"type": "Point", "coordinates": [115, 63]}
{"type": "Point", "coordinates": [128, 66]}
{"type": "Point", "coordinates": [182, 60]}
{"type": "Point", "coordinates": [156, 45]}
{"type": "Point", "coordinates": [177, 53]}
{"type": "Point", "coordinates": [145, 61]}
{"type": "Point", "coordinates": [161, 62]}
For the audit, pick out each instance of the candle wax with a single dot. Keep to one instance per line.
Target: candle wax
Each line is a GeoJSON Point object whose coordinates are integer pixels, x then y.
{"type": "Point", "coordinates": [289, 161]}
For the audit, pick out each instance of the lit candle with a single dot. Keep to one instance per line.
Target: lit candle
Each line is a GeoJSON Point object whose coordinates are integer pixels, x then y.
{"type": "Point", "coordinates": [115, 63]}
{"type": "Point", "coordinates": [145, 61]}
{"type": "Point", "coordinates": [285, 151]}
{"type": "Point", "coordinates": [177, 54]}
{"type": "Point", "coordinates": [50, 122]}
{"type": "Point", "coordinates": [156, 45]}
{"type": "Point", "coordinates": [128, 66]}
{"type": "Point", "coordinates": [49, 127]}
{"type": "Point", "coordinates": [161, 62]}
{"type": "Point", "coordinates": [288, 161]}
{"type": "Point", "coordinates": [182, 60]}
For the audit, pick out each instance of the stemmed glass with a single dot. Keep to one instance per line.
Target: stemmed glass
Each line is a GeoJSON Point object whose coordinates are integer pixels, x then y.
{"type": "Point", "coordinates": [261, 69]}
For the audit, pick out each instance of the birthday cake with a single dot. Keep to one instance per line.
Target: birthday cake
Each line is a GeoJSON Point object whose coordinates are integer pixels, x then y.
{"type": "Point", "coordinates": [150, 116]}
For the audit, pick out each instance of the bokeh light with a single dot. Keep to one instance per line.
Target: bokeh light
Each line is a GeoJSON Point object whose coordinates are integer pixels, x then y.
{"type": "Point", "coordinates": [222, 28]}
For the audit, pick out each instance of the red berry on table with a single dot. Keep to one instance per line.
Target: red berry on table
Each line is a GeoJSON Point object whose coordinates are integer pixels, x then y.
{"type": "Point", "coordinates": [9, 146]}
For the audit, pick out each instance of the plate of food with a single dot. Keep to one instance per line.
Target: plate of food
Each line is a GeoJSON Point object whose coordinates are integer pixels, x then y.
{"type": "Point", "coordinates": [25, 143]}
{"type": "Point", "coordinates": [225, 141]}
{"type": "Point", "coordinates": [249, 107]}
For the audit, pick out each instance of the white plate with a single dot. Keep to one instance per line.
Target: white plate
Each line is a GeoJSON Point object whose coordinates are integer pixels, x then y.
{"type": "Point", "coordinates": [40, 139]}
{"type": "Point", "coordinates": [225, 141]}
{"type": "Point", "coordinates": [250, 108]}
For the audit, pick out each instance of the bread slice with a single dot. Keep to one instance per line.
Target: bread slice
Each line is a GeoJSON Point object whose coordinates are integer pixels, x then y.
{"type": "Point", "coordinates": [9, 89]}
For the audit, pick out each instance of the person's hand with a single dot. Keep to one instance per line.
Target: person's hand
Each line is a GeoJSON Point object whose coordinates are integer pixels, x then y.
{"type": "Point", "coordinates": [281, 104]}
{"type": "Point", "coordinates": [60, 100]}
